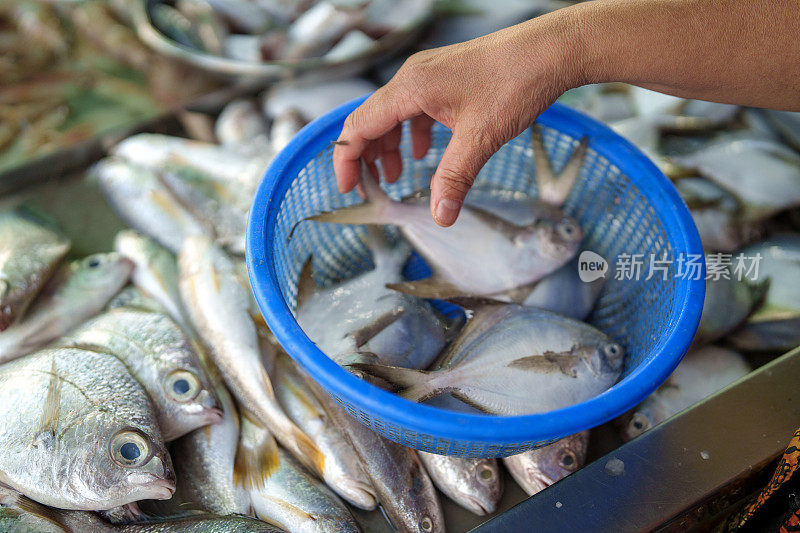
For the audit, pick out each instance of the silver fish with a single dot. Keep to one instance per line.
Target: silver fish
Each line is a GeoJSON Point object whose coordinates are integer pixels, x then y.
{"type": "Point", "coordinates": [535, 470]}
{"type": "Point", "coordinates": [564, 292]}
{"type": "Point", "coordinates": [156, 352]}
{"type": "Point", "coordinates": [716, 214]}
{"type": "Point", "coordinates": [315, 31]}
{"type": "Point", "coordinates": [29, 253]}
{"type": "Point", "coordinates": [763, 174]}
{"type": "Point", "coordinates": [218, 306]}
{"type": "Point", "coordinates": [362, 314]}
{"type": "Point", "coordinates": [19, 514]}
{"type": "Point", "coordinates": [153, 151]}
{"type": "Point", "coordinates": [140, 199]}
{"type": "Point", "coordinates": [700, 374]}
{"type": "Point", "coordinates": [217, 203]}
{"type": "Point", "coordinates": [343, 470]}
{"type": "Point", "coordinates": [241, 124]}
{"type": "Point", "coordinates": [474, 484]}
{"type": "Point", "coordinates": [728, 303]}
{"type": "Point", "coordinates": [79, 432]}
{"type": "Point", "coordinates": [513, 206]}
{"type": "Point", "coordinates": [284, 127]}
{"type": "Point", "coordinates": [283, 492]}
{"type": "Point", "coordinates": [78, 291]}
{"type": "Point", "coordinates": [155, 272]}
{"type": "Point", "coordinates": [404, 489]}
{"type": "Point", "coordinates": [505, 352]}
{"type": "Point", "coordinates": [204, 466]}
{"type": "Point", "coordinates": [480, 254]}
{"type": "Point", "coordinates": [131, 297]}
{"type": "Point", "coordinates": [776, 324]}
{"type": "Point", "coordinates": [353, 44]}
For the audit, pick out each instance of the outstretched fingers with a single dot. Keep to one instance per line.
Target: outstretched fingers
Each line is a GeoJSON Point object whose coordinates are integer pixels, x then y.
{"type": "Point", "coordinates": [379, 115]}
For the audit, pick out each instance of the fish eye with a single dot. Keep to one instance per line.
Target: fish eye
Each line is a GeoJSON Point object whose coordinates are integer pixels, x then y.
{"type": "Point", "coordinates": [93, 261]}
{"type": "Point", "coordinates": [638, 424]}
{"type": "Point", "coordinates": [485, 473]}
{"type": "Point", "coordinates": [568, 230]}
{"type": "Point", "coordinates": [426, 524]}
{"type": "Point", "coordinates": [568, 460]}
{"type": "Point", "coordinates": [612, 350]}
{"type": "Point", "coordinates": [130, 448]}
{"type": "Point", "coordinates": [182, 386]}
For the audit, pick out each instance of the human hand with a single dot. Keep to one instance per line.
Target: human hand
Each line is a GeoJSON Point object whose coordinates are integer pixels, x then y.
{"type": "Point", "coordinates": [487, 91]}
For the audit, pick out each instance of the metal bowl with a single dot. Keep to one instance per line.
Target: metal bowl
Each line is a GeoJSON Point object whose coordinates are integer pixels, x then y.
{"type": "Point", "coordinates": [229, 68]}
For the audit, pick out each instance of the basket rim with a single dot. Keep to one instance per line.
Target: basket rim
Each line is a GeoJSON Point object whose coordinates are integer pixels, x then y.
{"type": "Point", "coordinates": [490, 430]}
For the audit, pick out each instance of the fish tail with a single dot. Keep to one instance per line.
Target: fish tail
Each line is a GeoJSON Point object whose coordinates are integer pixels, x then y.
{"type": "Point", "coordinates": [411, 384]}
{"type": "Point", "coordinates": [553, 188]}
{"type": "Point", "coordinates": [256, 457]}
{"type": "Point", "coordinates": [373, 211]}
{"type": "Point", "coordinates": [307, 452]}
{"type": "Point", "coordinates": [291, 436]}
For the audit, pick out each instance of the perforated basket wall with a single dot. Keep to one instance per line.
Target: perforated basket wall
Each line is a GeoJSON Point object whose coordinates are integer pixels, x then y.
{"type": "Point", "coordinates": [620, 213]}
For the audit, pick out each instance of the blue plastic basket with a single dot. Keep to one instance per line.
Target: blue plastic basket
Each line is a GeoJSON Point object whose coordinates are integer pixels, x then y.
{"type": "Point", "coordinates": [621, 200]}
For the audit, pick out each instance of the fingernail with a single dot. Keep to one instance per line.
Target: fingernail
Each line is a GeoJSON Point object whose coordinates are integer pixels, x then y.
{"type": "Point", "coordinates": [447, 211]}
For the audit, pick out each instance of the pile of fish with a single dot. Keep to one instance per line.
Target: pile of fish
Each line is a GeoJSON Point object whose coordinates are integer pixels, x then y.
{"type": "Point", "coordinates": [74, 70]}
{"type": "Point", "coordinates": [143, 392]}
{"type": "Point", "coordinates": [286, 31]}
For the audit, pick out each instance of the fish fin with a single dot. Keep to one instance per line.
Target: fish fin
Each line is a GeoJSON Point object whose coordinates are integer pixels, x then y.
{"type": "Point", "coordinates": [569, 174]}
{"type": "Point", "coordinates": [52, 403]}
{"type": "Point", "coordinates": [364, 335]}
{"type": "Point", "coordinates": [305, 284]}
{"type": "Point", "coordinates": [17, 504]}
{"type": "Point", "coordinates": [307, 452]}
{"type": "Point", "coordinates": [371, 212]}
{"type": "Point", "coordinates": [550, 362]}
{"type": "Point", "coordinates": [545, 175]}
{"type": "Point", "coordinates": [554, 189]}
{"type": "Point", "coordinates": [438, 289]}
{"type": "Point", "coordinates": [460, 396]}
{"type": "Point", "coordinates": [256, 457]}
{"type": "Point", "coordinates": [433, 287]}
{"type": "Point", "coordinates": [408, 383]}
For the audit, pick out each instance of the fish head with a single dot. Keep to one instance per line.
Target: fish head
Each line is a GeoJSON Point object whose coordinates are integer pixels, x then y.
{"type": "Point", "coordinates": [648, 414]}
{"type": "Point", "coordinates": [117, 464]}
{"type": "Point", "coordinates": [549, 464]}
{"type": "Point", "coordinates": [487, 485]}
{"type": "Point", "coordinates": [100, 274]}
{"type": "Point", "coordinates": [131, 243]}
{"type": "Point", "coordinates": [639, 422]}
{"type": "Point", "coordinates": [189, 396]}
{"type": "Point", "coordinates": [556, 240]}
{"type": "Point", "coordinates": [607, 358]}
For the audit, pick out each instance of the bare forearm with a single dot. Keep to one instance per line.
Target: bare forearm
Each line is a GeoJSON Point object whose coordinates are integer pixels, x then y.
{"type": "Point", "coordinates": [490, 89]}
{"type": "Point", "coordinates": [735, 51]}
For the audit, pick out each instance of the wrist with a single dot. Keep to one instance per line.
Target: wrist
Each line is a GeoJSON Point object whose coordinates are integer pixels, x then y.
{"type": "Point", "coordinates": [560, 49]}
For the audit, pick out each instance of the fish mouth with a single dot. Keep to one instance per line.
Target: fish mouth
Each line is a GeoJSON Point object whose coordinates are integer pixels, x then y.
{"type": "Point", "coordinates": [479, 507]}
{"type": "Point", "coordinates": [213, 415]}
{"type": "Point", "coordinates": [361, 496]}
{"type": "Point", "coordinates": [160, 489]}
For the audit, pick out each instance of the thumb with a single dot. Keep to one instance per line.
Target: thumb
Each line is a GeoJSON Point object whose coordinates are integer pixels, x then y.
{"type": "Point", "coordinates": [463, 158]}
